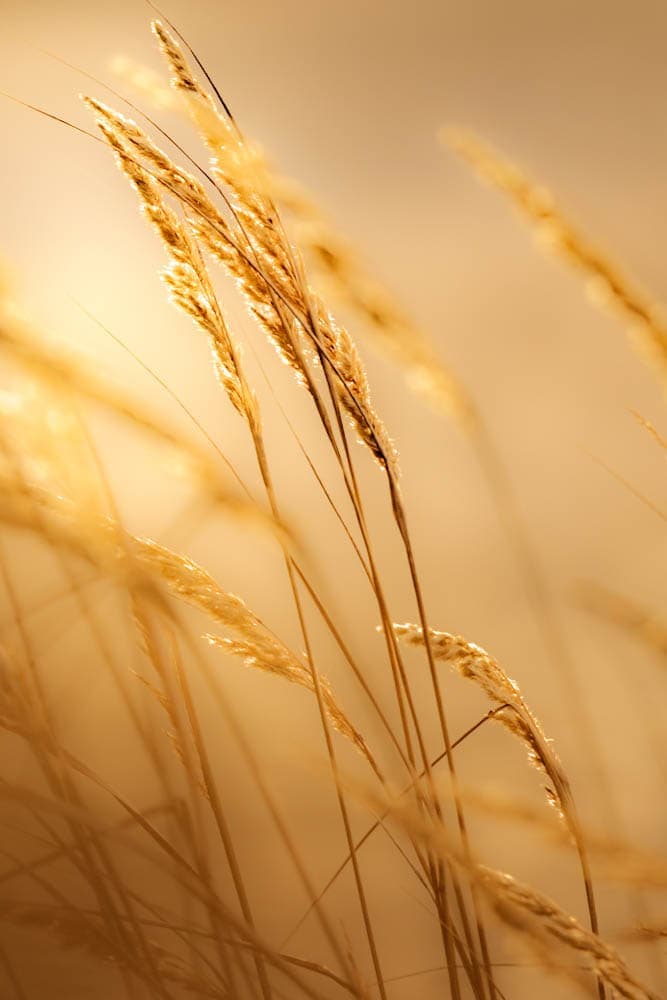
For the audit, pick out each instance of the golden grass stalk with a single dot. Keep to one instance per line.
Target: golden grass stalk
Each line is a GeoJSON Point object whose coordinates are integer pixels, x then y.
{"type": "Point", "coordinates": [247, 171]}
{"type": "Point", "coordinates": [353, 390]}
{"type": "Point", "coordinates": [262, 280]}
{"type": "Point", "coordinates": [607, 284]}
{"type": "Point", "coordinates": [227, 713]}
{"type": "Point", "coordinates": [539, 919]}
{"type": "Point", "coordinates": [184, 258]}
{"type": "Point", "coordinates": [235, 165]}
{"type": "Point", "coordinates": [96, 538]}
{"type": "Point", "coordinates": [395, 334]}
{"type": "Point", "coordinates": [121, 131]}
{"type": "Point", "coordinates": [253, 421]}
{"type": "Point", "coordinates": [342, 355]}
{"type": "Point", "coordinates": [351, 382]}
{"type": "Point", "coordinates": [275, 661]}
{"type": "Point", "coordinates": [334, 345]}
{"type": "Point", "coordinates": [253, 641]}
{"type": "Point", "coordinates": [186, 275]}
{"type": "Point", "coordinates": [475, 664]}
{"type": "Point", "coordinates": [273, 254]}
{"type": "Point", "coordinates": [385, 325]}
{"type": "Point", "coordinates": [244, 167]}
{"type": "Point", "coordinates": [272, 303]}
{"type": "Point", "coordinates": [183, 78]}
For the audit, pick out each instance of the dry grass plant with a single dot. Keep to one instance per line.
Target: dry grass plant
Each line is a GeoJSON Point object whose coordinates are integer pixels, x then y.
{"type": "Point", "coordinates": [237, 213]}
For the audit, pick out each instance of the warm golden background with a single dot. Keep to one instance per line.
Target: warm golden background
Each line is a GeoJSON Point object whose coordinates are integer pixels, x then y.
{"type": "Point", "coordinates": [348, 97]}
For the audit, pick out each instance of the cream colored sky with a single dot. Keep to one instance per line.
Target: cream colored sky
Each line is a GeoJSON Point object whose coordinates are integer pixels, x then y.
{"type": "Point", "coordinates": [348, 98]}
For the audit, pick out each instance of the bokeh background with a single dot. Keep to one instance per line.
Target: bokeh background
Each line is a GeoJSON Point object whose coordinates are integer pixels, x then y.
{"type": "Point", "coordinates": [348, 98]}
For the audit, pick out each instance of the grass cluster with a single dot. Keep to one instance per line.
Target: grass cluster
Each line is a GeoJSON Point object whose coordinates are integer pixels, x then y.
{"type": "Point", "coordinates": [192, 929]}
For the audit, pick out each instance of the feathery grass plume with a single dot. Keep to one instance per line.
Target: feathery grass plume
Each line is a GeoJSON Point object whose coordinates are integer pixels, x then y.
{"type": "Point", "coordinates": [64, 372]}
{"type": "Point", "coordinates": [270, 288]}
{"type": "Point", "coordinates": [273, 310]}
{"type": "Point", "coordinates": [607, 285]}
{"type": "Point", "coordinates": [353, 390]}
{"type": "Point", "coordinates": [44, 437]}
{"type": "Point", "coordinates": [254, 642]}
{"type": "Point", "coordinates": [258, 648]}
{"type": "Point", "coordinates": [183, 78]}
{"type": "Point", "coordinates": [51, 479]}
{"type": "Point", "coordinates": [61, 522]}
{"type": "Point", "coordinates": [475, 664]}
{"type": "Point", "coordinates": [241, 168]}
{"type": "Point", "coordinates": [121, 131]}
{"type": "Point", "coordinates": [396, 335]}
{"type": "Point", "coordinates": [187, 580]}
{"type": "Point", "coordinates": [185, 276]}
{"type": "Point", "coordinates": [351, 382]}
{"type": "Point", "coordinates": [256, 224]}
{"type": "Point", "coordinates": [244, 167]}
{"type": "Point", "coordinates": [258, 283]}
{"type": "Point", "coordinates": [540, 918]}
{"type": "Point", "coordinates": [261, 650]}
{"type": "Point", "coordinates": [625, 612]}
{"type": "Point", "coordinates": [140, 563]}
{"type": "Point", "coordinates": [234, 161]}
{"type": "Point", "coordinates": [237, 170]}
{"type": "Point", "coordinates": [388, 329]}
